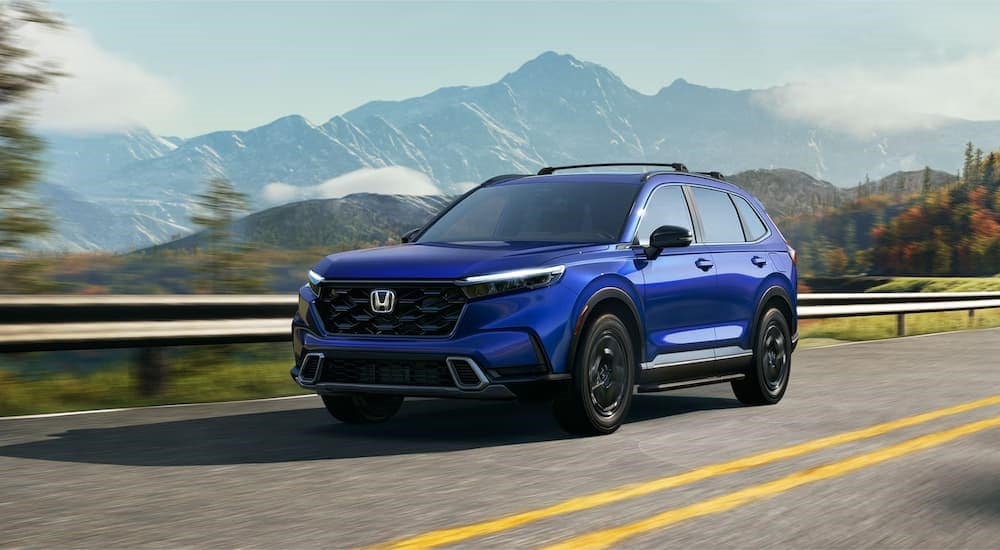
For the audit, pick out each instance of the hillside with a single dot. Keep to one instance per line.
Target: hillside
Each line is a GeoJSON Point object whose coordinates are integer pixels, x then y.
{"type": "Point", "coordinates": [368, 218]}
{"type": "Point", "coordinates": [364, 219]}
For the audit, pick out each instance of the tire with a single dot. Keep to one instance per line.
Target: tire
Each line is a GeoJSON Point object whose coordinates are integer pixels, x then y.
{"type": "Point", "coordinates": [598, 399]}
{"type": "Point", "coordinates": [767, 378]}
{"type": "Point", "coordinates": [362, 408]}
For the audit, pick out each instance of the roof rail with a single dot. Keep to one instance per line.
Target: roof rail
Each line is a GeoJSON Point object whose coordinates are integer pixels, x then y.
{"type": "Point", "coordinates": [713, 174]}
{"type": "Point", "coordinates": [501, 178]}
{"type": "Point", "coordinates": [551, 169]}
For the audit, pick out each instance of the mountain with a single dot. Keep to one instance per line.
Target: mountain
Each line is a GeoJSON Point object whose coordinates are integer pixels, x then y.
{"type": "Point", "coordinates": [787, 192]}
{"type": "Point", "coordinates": [906, 182]}
{"type": "Point", "coordinates": [554, 109]}
{"type": "Point", "coordinates": [348, 222]}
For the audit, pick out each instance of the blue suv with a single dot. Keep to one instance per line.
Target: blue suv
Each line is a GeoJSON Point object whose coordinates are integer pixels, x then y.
{"type": "Point", "coordinates": [578, 287]}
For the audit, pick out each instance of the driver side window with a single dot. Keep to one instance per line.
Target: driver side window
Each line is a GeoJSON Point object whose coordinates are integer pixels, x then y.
{"type": "Point", "coordinates": [666, 206]}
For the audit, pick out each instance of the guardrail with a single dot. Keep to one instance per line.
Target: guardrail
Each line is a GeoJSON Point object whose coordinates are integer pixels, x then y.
{"type": "Point", "coordinates": [44, 323]}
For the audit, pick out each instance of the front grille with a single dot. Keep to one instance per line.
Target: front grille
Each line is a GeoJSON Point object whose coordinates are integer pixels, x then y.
{"type": "Point", "coordinates": [396, 372]}
{"type": "Point", "coordinates": [420, 310]}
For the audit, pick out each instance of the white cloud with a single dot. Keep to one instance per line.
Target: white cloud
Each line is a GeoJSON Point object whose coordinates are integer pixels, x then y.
{"type": "Point", "coordinates": [392, 180]}
{"type": "Point", "coordinates": [102, 91]}
{"type": "Point", "coordinates": [863, 100]}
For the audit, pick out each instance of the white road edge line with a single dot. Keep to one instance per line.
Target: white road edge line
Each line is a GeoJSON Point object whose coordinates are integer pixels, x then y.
{"type": "Point", "coordinates": [895, 338]}
{"type": "Point", "coordinates": [173, 406]}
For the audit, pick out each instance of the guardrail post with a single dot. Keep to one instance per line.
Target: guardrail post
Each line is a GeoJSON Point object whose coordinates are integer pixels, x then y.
{"type": "Point", "coordinates": [972, 317]}
{"type": "Point", "coordinates": [901, 324]}
{"type": "Point", "coordinates": [151, 371]}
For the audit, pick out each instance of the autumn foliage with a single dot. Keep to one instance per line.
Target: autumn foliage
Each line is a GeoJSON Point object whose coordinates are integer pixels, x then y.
{"type": "Point", "coordinates": [954, 230]}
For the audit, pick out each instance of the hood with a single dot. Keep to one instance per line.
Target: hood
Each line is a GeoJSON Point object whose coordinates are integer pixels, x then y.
{"type": "Point", "coordinates": [446, 261]}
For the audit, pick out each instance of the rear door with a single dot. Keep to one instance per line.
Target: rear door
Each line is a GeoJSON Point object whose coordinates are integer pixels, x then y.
{"type": "Point", "coordinates": [732, 228]}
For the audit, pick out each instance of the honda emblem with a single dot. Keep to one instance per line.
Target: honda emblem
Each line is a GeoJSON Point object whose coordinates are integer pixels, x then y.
{"type": "Point", "coordinates": [383, 301]}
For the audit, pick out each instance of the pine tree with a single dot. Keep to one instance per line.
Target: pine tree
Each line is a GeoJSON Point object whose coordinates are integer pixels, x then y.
{"type": "Point", "coordinates": [925, 184]}
{"type": "Point", "coordinates": [22, 76]}
{"type": "Point", "coordinates": [977, 168]}
{"type": "Point", "coordinates": [969, 161]}
{"type": "Point", "coordinates": [218, 207]}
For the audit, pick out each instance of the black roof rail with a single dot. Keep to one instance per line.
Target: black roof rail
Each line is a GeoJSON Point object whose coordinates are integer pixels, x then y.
{"type": "Point", "coordinates": [713, 174]}
{"type": "Point", "coordinates": [551, 169]}
{"type": "Point", "coordinates": [502, 177]}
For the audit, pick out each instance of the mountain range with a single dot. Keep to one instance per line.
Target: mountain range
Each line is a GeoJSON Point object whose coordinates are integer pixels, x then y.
{"type": "Point", "coordinates": [555, 109]}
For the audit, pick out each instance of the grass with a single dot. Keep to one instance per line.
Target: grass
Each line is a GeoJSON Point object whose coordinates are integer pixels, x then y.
{"type": "Point", "coordinates": [115, 387]}
{"type": "Point", "coordinates": [940, 284]}
{"type": "Point", "coordinates": [817, 332]}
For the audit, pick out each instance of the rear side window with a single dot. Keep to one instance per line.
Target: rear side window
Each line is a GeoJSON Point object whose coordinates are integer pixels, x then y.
{"type": "Point", "coordinates": [755, 228]}
{"type": "Point", "coordinates": [666, 206]}
{"type": "Point", "coordinates": [718, 216]}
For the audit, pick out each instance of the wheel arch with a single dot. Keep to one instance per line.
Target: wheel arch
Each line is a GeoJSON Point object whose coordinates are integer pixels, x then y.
{"type": "Point", "coordinates": [610, 299]}
{"type": "Point", "coordinates": [777, 297]}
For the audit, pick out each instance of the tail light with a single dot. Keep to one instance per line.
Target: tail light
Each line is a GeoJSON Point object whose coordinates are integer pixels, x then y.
{"type": "Point", "coordinates": [793, 254]}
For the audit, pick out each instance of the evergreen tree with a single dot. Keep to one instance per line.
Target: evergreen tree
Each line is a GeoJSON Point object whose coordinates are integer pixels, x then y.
{"type": "Point", "coordinates": [217, 208]}
{"type": "Point", "coordinates": [969, 161]}
{"type": "Point", "coordinates": [22, 76]}
{"type": "Point", "coordinates": [977, 168]}
{"type": "Point", "coordinates": [925, 184]}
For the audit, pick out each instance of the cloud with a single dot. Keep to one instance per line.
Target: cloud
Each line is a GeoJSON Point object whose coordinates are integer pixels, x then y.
{"type": "Point", "coordinates": [102, 91]}
{"type": "Point", "coordinates": [863, 100]}
{"type": "Point", "coordinates": [392, 180]}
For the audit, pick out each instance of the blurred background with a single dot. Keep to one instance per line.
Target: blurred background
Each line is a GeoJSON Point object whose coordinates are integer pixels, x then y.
{"type": "Point", "coordinates": [200, 148]}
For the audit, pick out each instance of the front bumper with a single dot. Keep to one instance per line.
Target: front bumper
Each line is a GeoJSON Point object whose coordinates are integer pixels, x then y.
{"type": "Point", "coordinates": [507, 388]}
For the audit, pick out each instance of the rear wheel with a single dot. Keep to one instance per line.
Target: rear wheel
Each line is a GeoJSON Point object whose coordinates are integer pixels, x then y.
{"type": "Point", "coordinates": [767, 379]}
{"type": "Point", "coordinates": [362, 408]}
{"type": "Point", "coordinates": [598, 399]}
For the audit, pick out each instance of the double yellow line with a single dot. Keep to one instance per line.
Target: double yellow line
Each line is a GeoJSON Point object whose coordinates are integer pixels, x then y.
{"type": "Point", "coordinates": [608, 537]}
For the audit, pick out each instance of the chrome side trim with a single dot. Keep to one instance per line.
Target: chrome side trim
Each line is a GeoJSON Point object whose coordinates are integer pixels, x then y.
{"type": "Point", "coordinates": [697, 356]}
{"type": "Point", "coordinates": [483, 381]}
{"type": "Point", "coordinates": [647, 388]}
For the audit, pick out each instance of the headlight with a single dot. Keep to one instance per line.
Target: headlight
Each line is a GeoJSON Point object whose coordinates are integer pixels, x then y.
{"type": "Point", "coordinates": [509, 281]}
{"type": "Point", "coordinates": [314, 280]}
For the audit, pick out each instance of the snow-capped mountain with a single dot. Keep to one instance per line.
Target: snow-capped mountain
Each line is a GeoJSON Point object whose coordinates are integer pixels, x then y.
{"type": "Point", "coordinates": [555, 109]}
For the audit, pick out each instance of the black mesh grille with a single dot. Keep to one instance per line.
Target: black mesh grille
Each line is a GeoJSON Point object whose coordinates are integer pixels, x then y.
{"type": "Point", "coordinates": [309, 366]}
{"type": "Point", "coordinates": [398, 372]}
{"type": "Point", "coordinates": [424, 310]}
{"type": "Point", "coordinates": [465, 374]}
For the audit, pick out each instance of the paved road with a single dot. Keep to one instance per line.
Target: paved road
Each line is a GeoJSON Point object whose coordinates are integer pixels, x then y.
{"type": "Point", "coordinates": [281, 474]}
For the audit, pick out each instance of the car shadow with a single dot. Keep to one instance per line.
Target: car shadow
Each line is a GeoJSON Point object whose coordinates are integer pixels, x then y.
{"type": "Point", "coordinates": [422, 426]}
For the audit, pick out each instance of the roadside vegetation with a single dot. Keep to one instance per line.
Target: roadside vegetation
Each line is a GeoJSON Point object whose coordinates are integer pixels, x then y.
{"type": "Point", "coordinates": [208, 373]}
{"type": "Point", "coordinates": [940, 284]}
{"type": "Point", "coordinates": [820, 332]}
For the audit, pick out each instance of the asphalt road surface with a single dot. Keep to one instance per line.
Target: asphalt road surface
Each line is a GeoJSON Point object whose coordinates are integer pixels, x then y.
{"type": "Point", "coordinates": [892, 444]}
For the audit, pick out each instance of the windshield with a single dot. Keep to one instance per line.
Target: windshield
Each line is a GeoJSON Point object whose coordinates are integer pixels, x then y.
{"type": "Point", "coordinates": [537, 212]}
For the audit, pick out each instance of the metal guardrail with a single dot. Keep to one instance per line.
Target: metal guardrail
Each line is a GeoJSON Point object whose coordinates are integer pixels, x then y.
{"type": "Point", "coordinates": [48, 322]}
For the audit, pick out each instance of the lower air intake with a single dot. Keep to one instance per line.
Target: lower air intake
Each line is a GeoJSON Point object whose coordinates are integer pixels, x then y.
{"type": "Point", "coordinates": [467, 373]}
{"type": "Point", "coordinates": [309, 370]}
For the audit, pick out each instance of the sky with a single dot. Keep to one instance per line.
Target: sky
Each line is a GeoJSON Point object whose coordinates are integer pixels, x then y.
{"type": "Point", "coordinates": [188, 67]}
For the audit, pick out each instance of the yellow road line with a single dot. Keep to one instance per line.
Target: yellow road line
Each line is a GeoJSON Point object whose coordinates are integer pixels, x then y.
{"type": "Point", "coordinates": [453, 535]}
{"type": "Point", "coordinates": [724, 503]}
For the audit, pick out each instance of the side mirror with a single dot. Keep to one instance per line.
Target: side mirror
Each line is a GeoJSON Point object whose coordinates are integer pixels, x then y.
{"type": "Point", "coordinates": [668, 236]}
{"type": "Point", "coordinates": [410, 235]}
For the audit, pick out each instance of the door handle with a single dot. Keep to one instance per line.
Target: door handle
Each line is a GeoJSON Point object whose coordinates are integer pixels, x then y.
{"type": "Point", "coordinates": [758, 261]}
{"type": "Point", "coordinates": [704, 264]}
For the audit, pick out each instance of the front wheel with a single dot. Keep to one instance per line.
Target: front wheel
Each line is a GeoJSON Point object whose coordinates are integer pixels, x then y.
{"type": "Point", "coordinates": [362, 408]}
{"type": "Point", "coordinates": [598, 399]}
{"type": "Point", "coordinates": [767, 378]}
